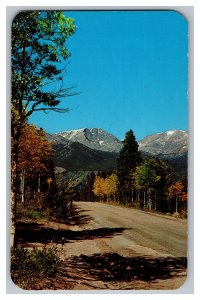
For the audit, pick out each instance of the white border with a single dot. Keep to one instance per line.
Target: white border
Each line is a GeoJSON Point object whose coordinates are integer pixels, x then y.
{"type": "Point", "coordinates": [147, 4]}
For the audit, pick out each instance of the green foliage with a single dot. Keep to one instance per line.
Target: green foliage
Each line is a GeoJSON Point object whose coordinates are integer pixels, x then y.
{"type": "Point", "coordinates": [151, 173]}
{"type": "Point", "coordinates": [38, 48]}
{"type": "Point", "coordinates": [27, 264]}
{"type": "Point", "coordinates": [34, 215]}
{"type": "Point", "coordinates": [88, 190]}
{"type": "Point", "coordinates": [61, 203]}
{"type": "Point", "coordinates": [152, 177]}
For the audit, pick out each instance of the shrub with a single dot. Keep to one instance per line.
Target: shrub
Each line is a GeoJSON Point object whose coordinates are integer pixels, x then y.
{"type": "Point", "coordinates": [34, 214]}
{"type": "Point", "coordinates": [26, 264]}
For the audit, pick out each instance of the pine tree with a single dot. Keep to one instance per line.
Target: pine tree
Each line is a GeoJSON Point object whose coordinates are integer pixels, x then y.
{"type": "Point", "coordinates": [88, 192]}
{"type": "Point", "coordinates": [128, 159]}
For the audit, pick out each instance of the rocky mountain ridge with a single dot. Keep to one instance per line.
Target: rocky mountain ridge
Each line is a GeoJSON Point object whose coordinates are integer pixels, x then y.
{"type": "Point", "coordinates": [94, 149]}
{"type": "Point", "coordinates": [170, 143]}
{"type": "Point", "coordinates": [94, 138]}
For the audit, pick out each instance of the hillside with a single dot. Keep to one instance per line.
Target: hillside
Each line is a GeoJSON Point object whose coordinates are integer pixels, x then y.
{"type": "Point", "coordinates": [74, 156]}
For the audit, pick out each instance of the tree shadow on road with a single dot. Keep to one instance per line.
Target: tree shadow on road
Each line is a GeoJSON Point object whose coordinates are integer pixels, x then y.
{"type": "Point", "coordinates": [79, 217]}
{"type": "Point", "coordinates": [114, 267]}
{"type": "Point", "coordinates": [31, 233]}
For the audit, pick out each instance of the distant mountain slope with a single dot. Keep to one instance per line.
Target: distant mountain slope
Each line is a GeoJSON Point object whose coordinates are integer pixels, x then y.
{"type": "Point", "coordinates": [171, 146]}
{"type": "Point", "coordinates": [171, 143]}
{"type": "Point", "coordinates": [74, 156]}
{"type": "Point", "coordinates": [94, 138]}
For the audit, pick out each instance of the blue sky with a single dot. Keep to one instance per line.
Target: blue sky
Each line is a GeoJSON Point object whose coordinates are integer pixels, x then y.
{"type": "Point", "coordinates": [131, 69]}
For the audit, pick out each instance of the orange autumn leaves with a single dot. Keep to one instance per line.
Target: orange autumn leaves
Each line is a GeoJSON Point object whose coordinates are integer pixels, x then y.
{"type": "Point", "coordinates": [177, 190]}
{"type": "Point", "coordinates": [34, 150]}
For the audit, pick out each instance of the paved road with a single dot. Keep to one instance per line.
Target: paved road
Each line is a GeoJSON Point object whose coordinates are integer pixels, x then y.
{"type": "Point", "coordinates": [133, 232]}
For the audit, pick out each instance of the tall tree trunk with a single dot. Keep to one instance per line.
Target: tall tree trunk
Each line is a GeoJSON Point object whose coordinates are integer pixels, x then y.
{"type": "Point", "coordinates": [13, 201]}
{"type": "Point", "coordinates": [138, 196]}
{"type": "Point", "coordinates": [155, 204]}
{"type": "Point", "coordinates": [23, 176]}
{"type": "Point", "coordinates": [149, 201]}
{"type": "Point", "coordinates": [114, 197]}
{"type": "Point", "coordinates": [176, 203]}
{"type": "Point", "coordinates": [71, 204]}
{"type": "Point", "coordinates": [39, 184]}
{"type": "Point", "coordinates": [15, 135]}
{"type": "Point", "coordinates": [132, 195]}
{"type": "Point", "coordinates": [144, 200]}
{"type": "Point", "coordinates": [12, 206]}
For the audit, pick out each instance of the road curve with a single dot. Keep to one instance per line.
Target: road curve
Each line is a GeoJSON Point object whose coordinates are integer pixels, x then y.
{"type": "Point", "coordinates": [133, 232]}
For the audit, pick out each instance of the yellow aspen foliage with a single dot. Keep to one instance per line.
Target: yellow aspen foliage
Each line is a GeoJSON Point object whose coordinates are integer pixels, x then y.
{"type": "Point", "coordinates": [113, 183]}
{"type": "Point", "coordinates": [98, 186]}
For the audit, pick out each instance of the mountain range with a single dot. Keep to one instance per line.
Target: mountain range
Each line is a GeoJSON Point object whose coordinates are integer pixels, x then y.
{"type": "Point", "coordinates": [89, 149]}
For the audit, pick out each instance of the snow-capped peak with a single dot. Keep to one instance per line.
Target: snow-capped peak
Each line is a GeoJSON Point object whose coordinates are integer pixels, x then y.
{"type": "Point", "coordinates": [95, 138]}
{"type": "Point", "coordinates": [170, 132]}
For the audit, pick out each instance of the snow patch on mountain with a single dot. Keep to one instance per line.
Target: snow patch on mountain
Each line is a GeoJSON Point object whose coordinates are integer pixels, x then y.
{"type": "Point", "coordinates": [95, 138]}
{"type": "Point", "coordinates": [170, 132]}
{"type": "Point", "coordinates": [170, 143]}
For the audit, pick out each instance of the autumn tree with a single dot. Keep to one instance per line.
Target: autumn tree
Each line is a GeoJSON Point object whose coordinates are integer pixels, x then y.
{"type": "Point", "coordinates": [106, 188]}
{"type": "Point", "coordinates": [38, 51]}
{"type": "Point", "coordinates": [34, 152]}
{"type": "Point", "coordinates": [128, 159]}
{"type": "Point", "coordinates": [113, 181]}
{"type": "Point", "coordinates": [98, 187]}
{"type": "Point", "coordinates": [176, 191]}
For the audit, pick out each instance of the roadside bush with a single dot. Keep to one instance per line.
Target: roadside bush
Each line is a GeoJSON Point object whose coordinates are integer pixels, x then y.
{"type": "Point", "coordinates": [27, 265]}
{"type": "Point", "coordinates": [34, 214]}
